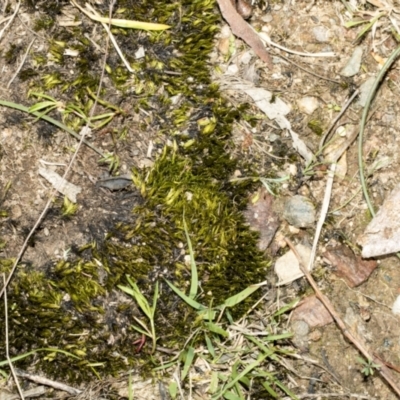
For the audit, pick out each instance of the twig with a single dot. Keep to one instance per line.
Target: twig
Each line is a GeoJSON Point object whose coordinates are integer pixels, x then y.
{"type": "Point", "coordinates": [342, 111]}
{"type": "Point", "coordinates": [307, 70]}
{"type": "Point", "coordinates": [358, 342]}
{"type": "Point", "coordinates": [21, 395]}
{"type": "Point", "coordinates": [266, 39]}
{"type": "Point", "coordinates": [22, 63]}
{"type": "Point", "coordinates": [48, 382]}
{"type": "Point", "coordinates": [329, 184]}
{"type": "Point", "coordinates": [10, 20]}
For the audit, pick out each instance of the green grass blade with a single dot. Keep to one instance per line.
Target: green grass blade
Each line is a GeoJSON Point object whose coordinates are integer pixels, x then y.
{"type": "Point", "coordinates": [368, 27]}
{"type": "Point", "coordinates": [30, 353]}
{"type": "Point", "coordinates": [268, 352]}
{"type": "Point", "coordinates": [216, 329]}
{"type": "Point", "coordinates": [285, 389]}
{"type": "Point", "coordinates": [192, 303]}
{"type": "Point", "coordinates": [210, 346]}
{"type": "Point", "coordinates": [214, 383]}
{"type": "Point", "coordinates": [165, 366]}
{"type": "Point", "coordinates": [237, 298]}
{"type": "Point", "coordinates": [127, 290]}
{"type": "Point", "coordinates": [42, 105]}
{"type": "Point", "coordinates": [286, 308]}
{"type": "Point", "coordinates": [173, 390]}
{"type": "Point", "coordinates": [140, 330]}
{"type": "Point", "coordinates": [194, 282]}
{"type": "Point", "coordinates": [273, 338]}
{"type": "Point", "coordinates": [155, 298]}
{"type": "Point", "coordinates": [188, 362]}
{"type": "Point", "coordinates": [248, 369]}
{"type": "Point", "coordinates": [43, 96]}
{"type": "Point", "coordinates": [351, 24]}
{"type": "Point", "coordinates": [269, 389]}
{"type": "Point", "coordinates": [232, 396]}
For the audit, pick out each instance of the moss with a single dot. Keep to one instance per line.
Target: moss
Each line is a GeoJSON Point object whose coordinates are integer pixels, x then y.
{"type": "Point", "coordinates": [12, 53]}
{"type": "Point", "coordinates": [43, 24]}
{"type": "Point", "coordinates": [316, 126]}
{"type": "Point", "coordinates": [74, 305]}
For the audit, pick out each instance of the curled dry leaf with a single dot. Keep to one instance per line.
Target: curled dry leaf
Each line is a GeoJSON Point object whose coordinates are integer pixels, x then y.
{"type": "Point", "coordinates": [243, 30]}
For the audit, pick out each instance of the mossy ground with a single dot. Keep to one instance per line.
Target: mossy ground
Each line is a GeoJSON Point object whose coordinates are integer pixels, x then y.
{"type": "Point", "coordinates": [75, 305]}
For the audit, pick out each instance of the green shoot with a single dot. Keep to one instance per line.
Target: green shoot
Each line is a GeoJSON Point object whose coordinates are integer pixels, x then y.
{"type": "Point", "coordinates": [369, 366]}
{"type": "Point", "coordinates": [112, 160]}
{"type": "Point", "coordinates": [68, 208]}
{"type": "Point", "coordinates": [148, 310]}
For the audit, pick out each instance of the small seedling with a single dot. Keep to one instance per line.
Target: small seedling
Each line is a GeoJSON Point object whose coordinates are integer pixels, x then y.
{"type": "Point", "coordinates": [68, 208]}
{"type": "Point", "coordinates": [369, 366]}
{"type": "Point", "coordinates": [148, 310]}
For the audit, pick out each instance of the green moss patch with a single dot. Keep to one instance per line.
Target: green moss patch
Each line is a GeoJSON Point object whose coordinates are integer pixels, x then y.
{"type": "Point", "coordinates": [75, 306]}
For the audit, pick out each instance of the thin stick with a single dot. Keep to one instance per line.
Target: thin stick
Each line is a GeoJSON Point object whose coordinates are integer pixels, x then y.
{"type": "Point", "coordinates": [10, 20]}
{"type": "Point", "coordinates": [335, 121]}
{"type": "Point", "coordinates": [266, 39]}
{"type": "Point", "coordinates": [307, 70]}
{"type": "Point", "coordinates": [48, 382]}
{"type": "Point", "coordinates": [22, 63]}
{"type": "Point", "coordinates": [356, 341]}
{"type": "Point", "coordinates": [7, 343]}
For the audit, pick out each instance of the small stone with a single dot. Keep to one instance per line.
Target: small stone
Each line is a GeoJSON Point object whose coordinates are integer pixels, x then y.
{"type": "Point", "coordinates": [365, 88]}
{"type": "Point", "coordinates": [321, 34]}
{"type": "Point", "coordinates": [300, 334]}
{"type": "Point", "coordinates": [299, 212]}
{"type": "Point", "coordinates": [353, 65]}
{"type": "Point", "coordinates": [308, 105]}
{"type": "Point", "coordinates": [315, 335]}
{"type": "Point", "coordinates": [396, 306]}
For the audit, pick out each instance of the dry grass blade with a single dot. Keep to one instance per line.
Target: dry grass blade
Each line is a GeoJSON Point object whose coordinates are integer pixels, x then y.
{"type": "Point", "coordinates": [7, 342]}
{"type": "Point", "coordinates": [122, 23]}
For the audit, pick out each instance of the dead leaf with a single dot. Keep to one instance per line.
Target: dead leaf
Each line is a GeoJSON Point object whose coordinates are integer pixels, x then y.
{"type": "Point", "coordinates": [243, 30]}
{"type": "Point", "coordinates": [353, 269]}
{"type": "Point", "coordinates": [313, 312]}
{"type": "Point", "coordinates": [262, 218]}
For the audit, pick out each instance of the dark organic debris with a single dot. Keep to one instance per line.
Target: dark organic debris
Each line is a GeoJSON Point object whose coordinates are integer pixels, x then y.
{"type": "Point", "coordinates": [262, 218]}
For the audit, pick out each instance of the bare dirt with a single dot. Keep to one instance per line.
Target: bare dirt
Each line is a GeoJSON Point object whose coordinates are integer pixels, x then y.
{"type": "Point", "coordinates": [294, 25]}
